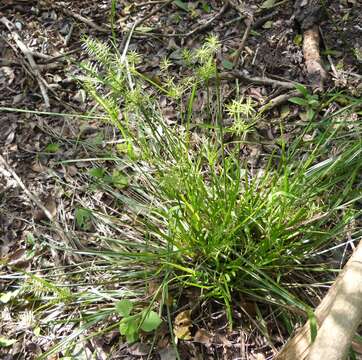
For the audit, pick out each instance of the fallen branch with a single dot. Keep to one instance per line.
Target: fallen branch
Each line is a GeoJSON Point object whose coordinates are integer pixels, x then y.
{"type": "Point", "coordinates": [309, 13]}
{"type": "Point", "coordinates": [261, 80]}
{"type": "Point", "coordinates": [335, 335]}
{"type": "Point", "coordinates": [338, 316]}
{"type": "Point", "coordinates": [313, 62]}
{"type": "Point", "coordinates": [29, 56]}
{"type": "Point", "coordinates": [278, 100]}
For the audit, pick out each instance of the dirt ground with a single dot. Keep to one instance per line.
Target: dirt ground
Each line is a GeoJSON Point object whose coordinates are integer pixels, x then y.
{"type": "Point", "coordinates": [52, 31]}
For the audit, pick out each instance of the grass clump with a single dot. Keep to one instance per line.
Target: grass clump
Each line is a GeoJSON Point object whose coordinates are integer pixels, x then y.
{"type": "Point", "coordinates": [206, 219]}
{"type": "Point", "coordinates": [191, 211]}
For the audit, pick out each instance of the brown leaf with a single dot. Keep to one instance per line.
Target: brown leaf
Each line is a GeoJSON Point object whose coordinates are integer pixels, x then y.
{"type": "Point", "coordinates": [38, 167]}
{"type": "Point", "coordinates": [182, 325]}
{"type": "Point", "coordinates": [139, 349]}
{"type": "Point", "coordinates": [168, 353]}
{"type": "Point", "coordinates": [17, 256]}
{"type": "Point", "coordinates": [257, 357]}
{"type": "Point", "coordinates": [51, 205]}
{"type": "Point", "coordinates": [10, 138]}
{"type": "Point", "coordinates": [183, 318]}
{"type": "Point", "coordinates": [202, 336]}
{"type": "Point", "coordinates": [249, 307]}
{"type": "Point", "coordinates": [222, 340]}
{"type": "Point", "coordinates": [8, 74]}
{"type": "Point", "coordinates": [71, 170]}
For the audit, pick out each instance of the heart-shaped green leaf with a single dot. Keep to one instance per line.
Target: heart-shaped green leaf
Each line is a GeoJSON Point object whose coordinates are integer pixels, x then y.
{"type": "Point", "coordinates": [151, 321]}
{"type": "Point", "coordinates": [268, 4]}
{"type": "Point", "coordinates": [124, 307]}
{"type": "Point", "coordinates": [6, 342]}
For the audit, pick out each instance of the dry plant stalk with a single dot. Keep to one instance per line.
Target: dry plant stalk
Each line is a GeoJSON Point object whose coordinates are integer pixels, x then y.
{"type": "Point", "coordinates": [338, 316]}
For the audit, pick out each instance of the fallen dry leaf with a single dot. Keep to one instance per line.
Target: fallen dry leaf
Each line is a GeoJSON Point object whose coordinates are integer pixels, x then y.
{"type": "Point", "coordinates": [257, 357]}
{"type": "Point", "coordinates": [202, 336]}
{"type": "Point", "coordinates": [38, 167]}
{"type": "Point", "coordinates": [8, 74]}
{"type": "Point", "coordinates": [222, 340]}
{"type": "Point", "coordinates": [17, 256]}
{"type": "Point", "coordinates": [139, 349]}
{"type": "Point", "coordinates": [182, 325]}
{"type": "Point", "coordinates": [71, 170]}
{"type": "Point", "coordinates": [50, 205]}
{"type": "Point", "coordinates": [168, 353]}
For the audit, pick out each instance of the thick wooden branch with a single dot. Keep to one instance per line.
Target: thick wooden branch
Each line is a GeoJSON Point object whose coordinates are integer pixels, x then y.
{"type": "Point", "coordinates": [338, 316]}
{"type": "Point", "coordinates": [313, 62]}
{"type": "Point", "coordinates": [335, 335]}
{"type": "Point", "coordinates": [309, 14]}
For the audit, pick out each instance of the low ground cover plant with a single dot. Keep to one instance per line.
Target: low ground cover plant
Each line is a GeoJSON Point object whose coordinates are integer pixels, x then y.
{"type": "Point", "coordinates": [189, 211]}
{"type": "Point", "coordinates": [203, 217]}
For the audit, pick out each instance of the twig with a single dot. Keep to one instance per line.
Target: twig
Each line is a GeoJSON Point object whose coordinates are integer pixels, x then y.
{"type": "Point", "coordinates": [40, 55]}
{"type": "Point", "coordinates": [147, 3]}
{"type": "Point", "coordinates": [28, 54]}
{"type": "Point", "coordinates": [358, 76]}
{"type": "Point", "coordinates": [205, 25]}
{"type": "Point", "coordinates": [22, 62]}
{"type": "Point", "coordinates": [260, 21]}
{"type": "Point", "coordinates": [81, 18]}
{"type": "Point", "coordinates": [249, 24]}
{"type": "Point", "coordinates": [335, 73]}
{"type": "Point", "coordinates": [198, 28]}
{"type": "Point", "coordinates": [262, 80]}
{"type": "Point", "coordinates": [127, 37]}
{"type": "Point", "coordinates": [278, 100]}
{"type": "Point", "coordinates": [69, 35]}
{"type": "Point", "coordinates": [236, 19]}
{"type": "Point", "coordinates": [61, 56]}
{"type": "Point", "coordinates": [153, 12]}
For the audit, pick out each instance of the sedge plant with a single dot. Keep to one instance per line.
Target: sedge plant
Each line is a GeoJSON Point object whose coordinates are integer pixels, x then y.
{"type": "Point", "coordinates": [216, 226]}
{"type": "Point", "coordinates": [194, 214]}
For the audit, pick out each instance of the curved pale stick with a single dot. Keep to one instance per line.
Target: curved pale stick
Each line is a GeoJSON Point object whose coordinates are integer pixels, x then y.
{"type": "Point", "coordinates": [338, 316]}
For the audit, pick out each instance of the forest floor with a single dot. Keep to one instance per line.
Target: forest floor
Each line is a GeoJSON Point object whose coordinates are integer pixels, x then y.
{"type": "Point", "coordinates": [36, 144]}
